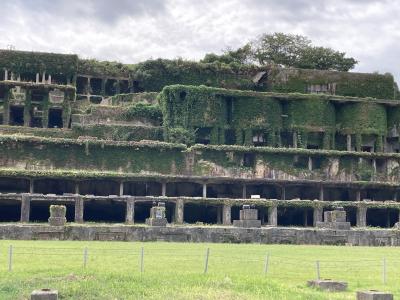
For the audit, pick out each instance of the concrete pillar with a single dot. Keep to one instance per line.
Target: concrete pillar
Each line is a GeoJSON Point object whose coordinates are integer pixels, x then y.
{"type": "Point", "coordinates": [305, 217]}
{"type": "Point", "coordinates": [395, 196]}
{"type": "Point", "coordinates": [44, 77]}
{"type": "Point", "coordinates": [37, 78]}
{"type": "Point", "coordinates": [79, 209]}
{"type": "Point", "coordinates": [179, 211]}
{"type": "Point", "coordinates": [77, 188]}
{"type": "Point", "coordinates": [358, 195]}
{"type": "Point", "coordinates": [130, 210]}
{"type": "Point", "coordinates": [103, 86]}
{"type": "Point", "coordinates": [219, 214]}
{"type": "Point", "coordinates": [294, 139]}
{"type": "Point", "coordinates": [27, 108]}
{"type": "Point", "coordinates": [19, 77]}
{"type": "Point", "coordinates": [244, 191]}
{"type": "Point", "coordinates": [321, 193]}
{"type": "Point", "coordinates": [5, 74]}
{"type": "Point", "coordinates": [25, 207]}
{"type": "Point", "coordinates": [6, 107]}
{"type": "Point", "coordinates": [227, 214]}
{"type": "Point", "coordinates": [204, 190]}
{"type": "Point", "coordinates": [273, 215]}
{"type": "Point", "coordinates": [12, 76]}
{"type": "Point", "coordinates": [348, 137]}
{"type": "Point", "coordinates": [317, 215]}
{"type": "Point", "coordinates": [310, 166]}
{"type": "Point", "coordinates": [164, 189]}
{"type": "Point", "coordinates": [121, 188]}
{"type": "Point", "coordinates": [88, 90]}
{"type": "Point", "coordinates": [118, 88]}
{"type": "Point", "coordinates": [49, 80]}
{"type": "Point", "coordinates": [31, 186]}
{"type": "Point", "coordinates": [283, 196]}
{"type": "Point", "coordinates": [361, 216]}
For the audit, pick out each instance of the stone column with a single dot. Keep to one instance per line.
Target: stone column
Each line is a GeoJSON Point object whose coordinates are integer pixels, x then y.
{"type": "Point", "coordinates": [348, 137]}
{"type": "Point", "coordinates": [6, 74]}
{"type": "Point", "coordinates": [79, 209]}
{"type": "Point", "coordinates": [179, 211]}
{"type": "Point", "coordinates": [273, 215]}
{"type": "Point", "coordinates": [244, 192]}
{"type": "Point", "coordinates": [37, 77]}
{"type": "Point", "coordinates": [25, 207]}
{"type": "Point", "coordinates": [31, 186]}
{"type": "Point", "coordinates": [283, 196]}
{"type": "Point", "coordinates": [358, 195]}
{"type": "Point", "coordinates": [204, 190]}
{"type": "Point", "coordinates": [44, 77]}
{"type": "Point", "coordinates": [27, 108]}
{"type": "Point", "coordinates": [121, 188]}
{"type": "Point", "coordinates": [310, 165]}
{"type": "Point", "coordinates": [163, 189]}
{"type": "Point", "coordinates": [321, 193]}
{"type": "Point", "coordinates": [89, 88]}
{"type": "Point", "coordinates": [227, 214]}
{"type": "Point", "coordinates": [49, 80]}
{"type": "Point", "coordinates": [77, 188]}
{"type": "Point", "coordinates": [317, 215]}
{"type": "Point", "coordinates": [305, 217]}
{"type": "Point", "coordinates": [103, 86]}
{"type": "Point", "coordinates": [130, 210]}
{"type": "Point", "coordinates": [118, 87]}
{"type": "Point", "coordinates": [219, 214]}
{"type": "Point", "coordinates": [361, 215]}
{"type": "Point", "coordinates": [294, 139]}
{"type": "Point", "coordinates": [6, 107]}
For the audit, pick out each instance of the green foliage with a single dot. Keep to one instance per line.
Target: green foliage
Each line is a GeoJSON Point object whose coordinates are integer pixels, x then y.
{"type": "Point", "coordinates": [123, 99]}
{"type": "Point", "coordinates": [239, 56]}
{"type": "Point", "coordinates": [153, 75]}
{"type": "Point", "coordinates": [180, 135]}
{"type": "Point", "coordinates": [362, 118]}
{"type": "Point", "coordinates": [103, 68]}
{"type": "Point", "coordinates": [21, 62]}
{"type": "Point", "coordinates": [144, 110]}
{"type": "Point", "coordinates": [296, 51]}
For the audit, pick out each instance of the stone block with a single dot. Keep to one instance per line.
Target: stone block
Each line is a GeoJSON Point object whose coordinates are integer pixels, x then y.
{"type": "Point", "coordinates": [44, 294]}
{"type": "Point", "coordinates": [334, 225]}
{"type": "Point", "coordinates": [249, 214]}
{"type": "Point", "coordinates": [156, 222]}
{"type": "Point", "coordinates": [56, 221]}
{"type": "Point", "coordinates": [247, 223]}
{"type": "Point", "coordinates": [335, 216]}
{"type": "Point", "coordinates": [328, 285]}
{"type": "Point", "coordinates": [374, 295]}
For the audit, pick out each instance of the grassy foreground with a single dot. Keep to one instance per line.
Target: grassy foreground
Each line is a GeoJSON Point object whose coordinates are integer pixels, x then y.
{"type": "Point", "coordinates": [176, 270]}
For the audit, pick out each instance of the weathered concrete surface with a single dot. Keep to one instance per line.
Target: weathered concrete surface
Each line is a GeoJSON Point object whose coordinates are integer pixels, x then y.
{"type": "Point", "coordinates": [216, 234]}
{"type": "Point", "coordinates": [374, 295]}
{"type": "Point", "coordinates": [328, 285]}
{"type": "Point", "coordinates": [44, 294]}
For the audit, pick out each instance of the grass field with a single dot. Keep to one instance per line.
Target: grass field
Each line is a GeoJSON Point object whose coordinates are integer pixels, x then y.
{"type": "Point", "coordinates": [176, 270]}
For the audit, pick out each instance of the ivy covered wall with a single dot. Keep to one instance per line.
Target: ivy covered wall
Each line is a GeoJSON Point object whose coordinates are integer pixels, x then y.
{"type": "Point", "coordinates": [351, 84]}
{"type": "Point", "coordinates": [21, 62]}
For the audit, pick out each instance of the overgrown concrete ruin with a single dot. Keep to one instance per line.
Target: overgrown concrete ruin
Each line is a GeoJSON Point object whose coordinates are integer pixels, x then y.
{"type": "Point", "coordinates": [107, 140]}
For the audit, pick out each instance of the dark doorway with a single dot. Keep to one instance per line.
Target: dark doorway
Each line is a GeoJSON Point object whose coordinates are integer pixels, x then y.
{"type": "Point", "coordinates": [55, 118]}
{"type": "Point", "coordinates": [104, 211]}
{"type": "Point", "coordinates": [16, 115]}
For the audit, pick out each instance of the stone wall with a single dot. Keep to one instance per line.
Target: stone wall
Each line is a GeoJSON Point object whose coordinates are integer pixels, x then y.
{"type": "Point", "coordinates": [265, 235]}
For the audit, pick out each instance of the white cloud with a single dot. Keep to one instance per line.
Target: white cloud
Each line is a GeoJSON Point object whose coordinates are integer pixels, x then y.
{"type": "Point", "coordinates": [131, 31]}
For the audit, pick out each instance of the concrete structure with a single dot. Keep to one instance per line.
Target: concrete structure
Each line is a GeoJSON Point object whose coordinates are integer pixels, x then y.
{"type": "Point", "coordinates": [44, 294]}
{"type": "Point", "coordinates": [248, 218]}
{"type": "Point", "coordinates": [157, 215]}
{"type": "Point", "coordinates": [374, 295]}
{"type": "Point", "coordinates": [335, 219]}
{"type": "Point", "coordinates": [57, 215]}
{"type": "Point", "coordinates": [328, 285]}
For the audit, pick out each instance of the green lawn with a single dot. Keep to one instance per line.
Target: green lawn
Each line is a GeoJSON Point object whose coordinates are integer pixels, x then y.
{"type": "Point", "coordinates": [176, 270]}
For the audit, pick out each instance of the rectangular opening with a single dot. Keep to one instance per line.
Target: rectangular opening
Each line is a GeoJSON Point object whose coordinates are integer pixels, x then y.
{"type": "Point", "coordinates": [55, 118]}
{"type": "Point", "coordinates": [230, 137]}
{"type": "Point", "coordinates": [229, 110]}
{"type": "Point", "coordinates": [259, 138]}
{"type": "Point", "coordinates": [96, 99]}
{"type": "Point", "coordinates": [203, 135]}
{"type": "Point", "coordinates": [37, 96]}
{"type": "Point", "coordinates": [249, 160]}
{"type": "Point", "coordinates": [82, 85]}
{"type": "Point", "coordinates": [16, 115]}
{"type": "Point", "coordinates": [111, 87]}
{"type": "Point", "coordinates": [95, 86]}
{"type": "Point", "coordinates": [124, 86]}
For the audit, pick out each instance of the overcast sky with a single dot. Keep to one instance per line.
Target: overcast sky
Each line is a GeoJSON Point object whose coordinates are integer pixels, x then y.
{"type": "Point", "coordinates": [134, 30]}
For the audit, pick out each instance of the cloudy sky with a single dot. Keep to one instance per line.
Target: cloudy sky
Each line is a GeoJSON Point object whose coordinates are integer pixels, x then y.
{"type": "Point", "coordinates": [133, 30]}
